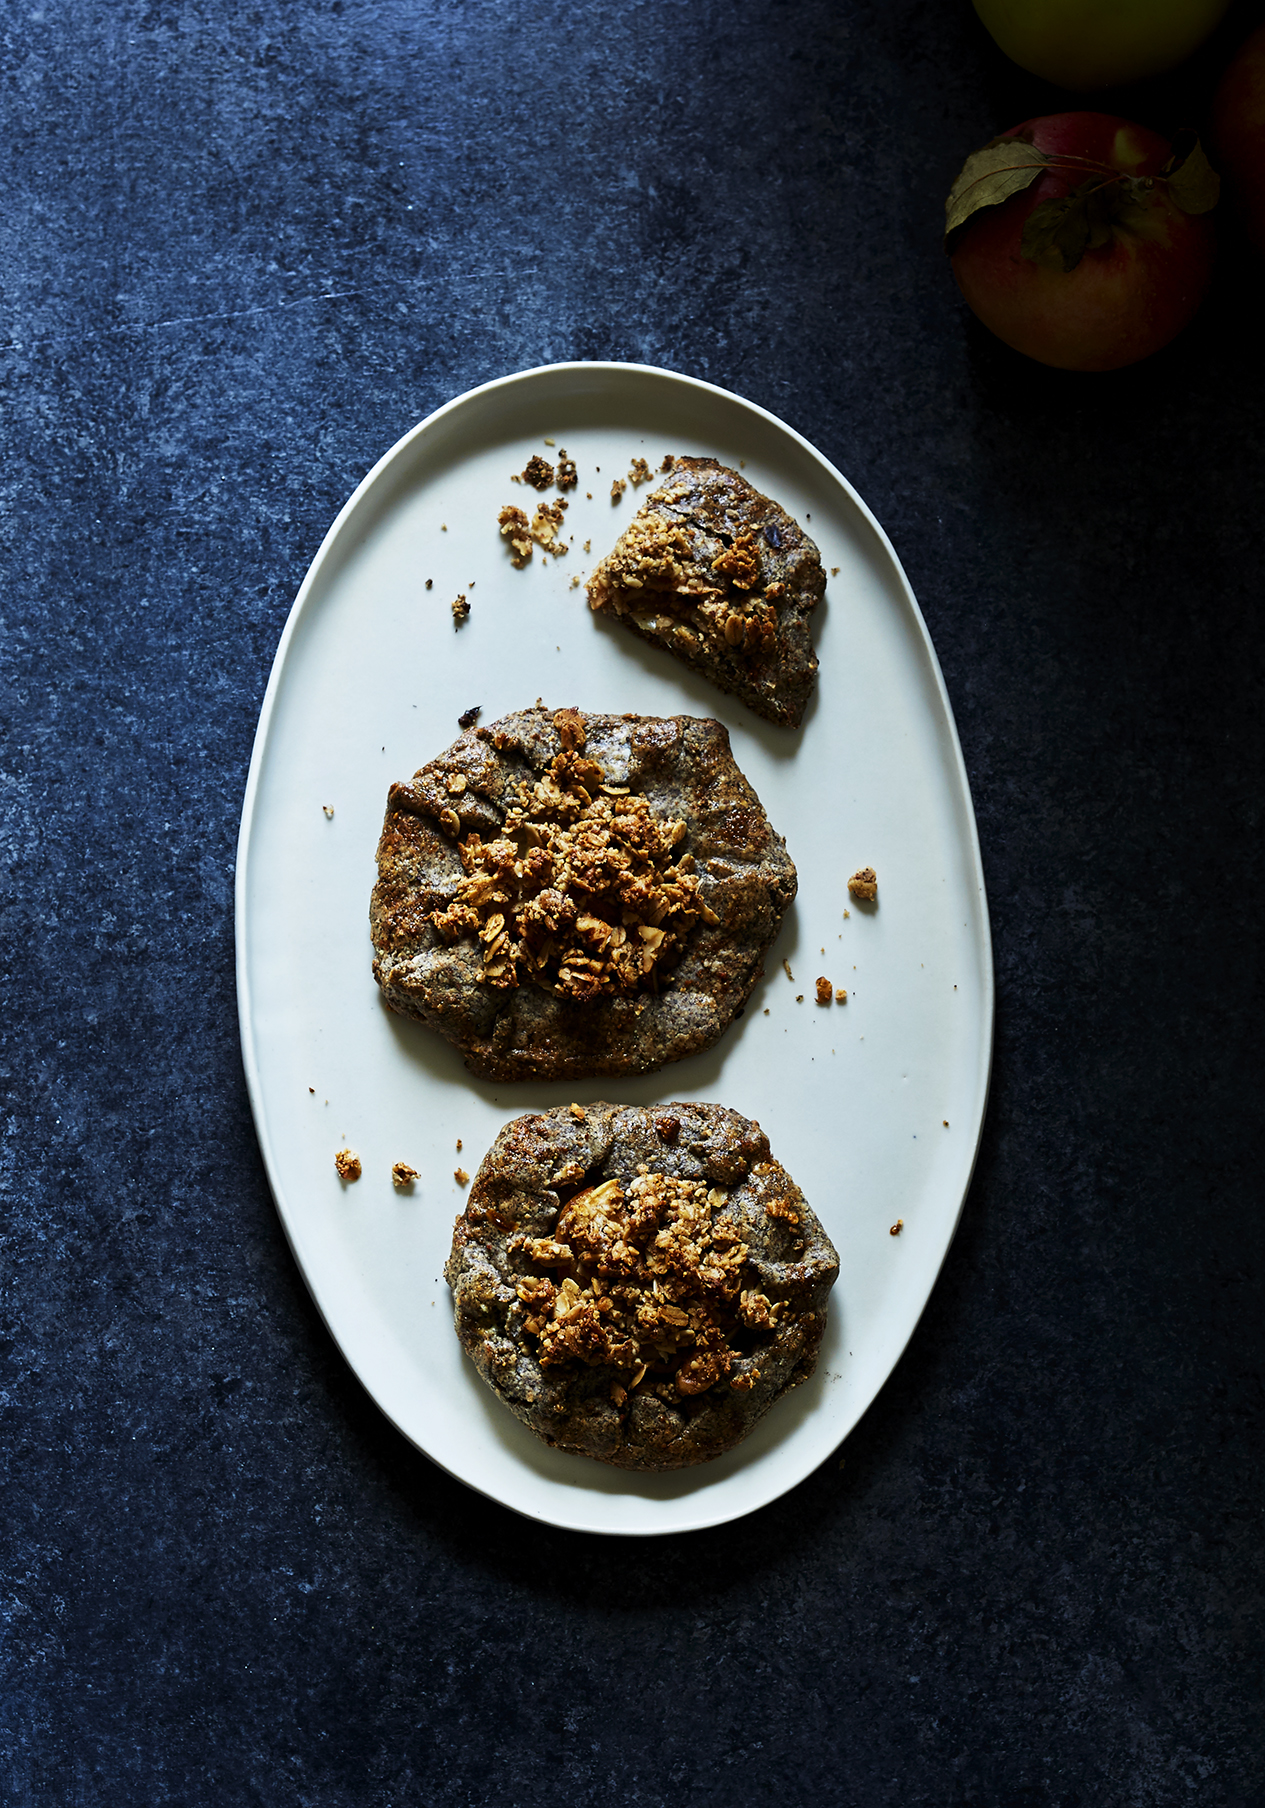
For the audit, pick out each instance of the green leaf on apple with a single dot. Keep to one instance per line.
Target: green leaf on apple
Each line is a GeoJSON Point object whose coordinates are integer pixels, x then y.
{"type": "Point", "coordinates": [1058, 233]}
{"type": "Point", "coordinates": [1003, 168]}
{"type": "Point", "coordinates": [1193, 184]}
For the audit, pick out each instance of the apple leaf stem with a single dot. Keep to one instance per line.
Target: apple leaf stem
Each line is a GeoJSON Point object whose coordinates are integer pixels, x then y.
{"type": "Point", "coordinates": [1064, 228]}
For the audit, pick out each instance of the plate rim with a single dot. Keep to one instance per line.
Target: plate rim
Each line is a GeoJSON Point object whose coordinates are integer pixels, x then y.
{"type": "Point", "coordinates": [259, 747]}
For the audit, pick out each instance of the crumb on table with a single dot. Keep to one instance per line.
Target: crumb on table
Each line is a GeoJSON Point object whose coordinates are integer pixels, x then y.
{"type": "Point", "coordinates": [864, 884]}
{"type": "Point", "coordinates": [787, 965]}
{"type": "Point", "coordinates": [897, 1228]}
{"type": "Point", "coordinates": [347, 1165]}
{"type": "Point", "coordinates": [469, 717]}
{"type": "Point", "coordinates": [825, 991]}
{"type": "Point", "coordinates": [568, 476]}
{"type": "Point", "coordinates": [402, 1175]}
{"type": "Point", "coordinates": [328, 809]}
{"type": "Point", "coordinates": [461, 1177]}
{"type": "Point", "coordinates": [639, 472]}
{"type": "Point", "coordinates": [841, 996]}
{"type": "Point", "coordinates": [460, 609]}
{"type": "Point", "coordinates": [538, 472]}
{"type": "Point", "coordinates": [617, 488]}
{"type": "Point", "coordinates": [430, 583]}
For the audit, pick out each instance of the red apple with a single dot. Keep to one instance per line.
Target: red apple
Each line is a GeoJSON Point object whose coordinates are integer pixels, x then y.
{"type": "Point", "coordinates": [1239, 131]}
{"type": "Point", "coordinates": [1079, 239]}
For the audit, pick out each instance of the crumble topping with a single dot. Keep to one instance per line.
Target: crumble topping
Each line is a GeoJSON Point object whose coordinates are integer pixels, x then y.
{"type": "Point", "coordinates": [585, 891]}
{"type": "Point", "coordinates": [460, 609]}
{"type": "Point", "coordinates": [618, 487]}
{"type": "Point", "coordinates": [402, 1175]}
{"type": "Point", "coordinates": [347, 1165]}
{"type": "Point", "coordinates": [544, 527]}
{"type": "Point", "coordinates": [568, 476]}
{"type": "Point", "coordinates": [864, 884]}
{"type": "Point", "coordinates": [639, 473]}
{"type": "Point", "coordinates": [652, 575]}
{"type": "Point", "coordinates": [542, 530]}
{"type": "Point", "coordinates": [538, 472]}
{"type": "Point", "coordinates": [516, 529]}
{"type": "Point", "coordinates": [648, 1280]}
{"type": "Point", "coordinates": [824, 991]}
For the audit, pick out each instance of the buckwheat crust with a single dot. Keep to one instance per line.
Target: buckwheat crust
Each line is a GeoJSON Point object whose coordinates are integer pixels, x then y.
{"type": "Point", "coordinates": [550, 991]}
{"type": "Point", "coordinates": [639, 1284]}
{"type": "Point", "coordinates": [724, 578]}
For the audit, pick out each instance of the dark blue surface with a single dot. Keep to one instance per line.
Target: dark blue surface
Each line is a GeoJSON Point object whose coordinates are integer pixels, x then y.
{"type": "Point", "coordinates": [243, 249]}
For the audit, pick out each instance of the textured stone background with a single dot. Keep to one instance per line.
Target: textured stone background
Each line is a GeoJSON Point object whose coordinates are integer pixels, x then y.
{"type": "Point", "coordinates": [243, 249]}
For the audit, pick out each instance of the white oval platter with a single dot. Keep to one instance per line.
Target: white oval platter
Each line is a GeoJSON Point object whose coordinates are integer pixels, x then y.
{"type": "Point", "coordinates": [875, 1106]}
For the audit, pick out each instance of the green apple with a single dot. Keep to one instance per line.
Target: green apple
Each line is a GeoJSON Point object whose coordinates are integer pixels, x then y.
{"type": "Point", "coordinates": [1098, 43]}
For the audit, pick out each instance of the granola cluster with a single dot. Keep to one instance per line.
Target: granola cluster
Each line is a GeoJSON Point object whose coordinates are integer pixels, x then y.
{"type": "Point", "coordinates": [585, 891]}
{"type": "Point", "coordinates": [648, 1281]}
{"type": "Point", "coordinates": [653, 573]}
{"type": "Point", "coordinates": [542, 530]}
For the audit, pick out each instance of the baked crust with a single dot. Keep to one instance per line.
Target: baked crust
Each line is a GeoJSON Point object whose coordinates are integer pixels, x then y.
{"type": "Point", "coordinates": [639, 1284]}
{"type": "Point", "coordinates": [724, 578]}
{"type": "Point", "coordinates": [707, 900]}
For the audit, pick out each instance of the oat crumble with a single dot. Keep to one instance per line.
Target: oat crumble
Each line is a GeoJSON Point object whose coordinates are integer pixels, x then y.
{"type": "Point", "coordinates": [403, 1176]}
{"type": "Point", "coordinates": [538, 472]}
{"type": "Point", "coordinates": [586, 891]}
{"type": "Point", "coordinates": [347, 1165]}
{"type": "Point", "coordinates": [460, 609]}
{"type": "Point", "coordinates": [516, 529]}
{"type": "Point", "coordinates": [547, 520]}
{"type": "Point", "coordinates": [461, 1177]}
{"type": "Point", "coordinates": [825, 991]}
{"type": "Point", "coordinates": [648, 1281]}
{"type": "Point", "coordinates": [864, 885]}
